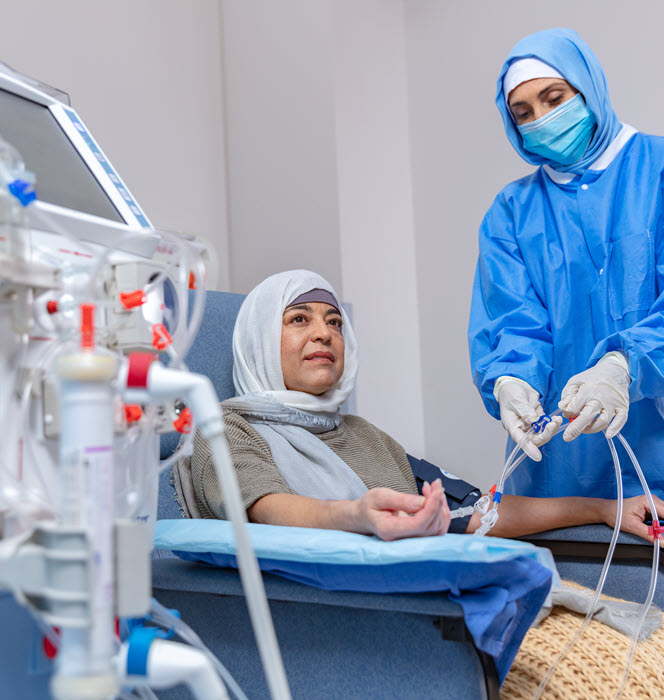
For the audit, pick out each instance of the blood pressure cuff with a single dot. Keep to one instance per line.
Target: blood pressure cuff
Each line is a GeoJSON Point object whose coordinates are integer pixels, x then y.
{"type": "Point", "coordinates": [500, 584]}
{"type": "Point", "coordinates": [459, 493]}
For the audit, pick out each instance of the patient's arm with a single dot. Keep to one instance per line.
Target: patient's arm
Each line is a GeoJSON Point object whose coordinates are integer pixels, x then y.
{"type": "Point", "coordinates": [383, 512]}
{"type": "Point", "coordinates": [523, 515]}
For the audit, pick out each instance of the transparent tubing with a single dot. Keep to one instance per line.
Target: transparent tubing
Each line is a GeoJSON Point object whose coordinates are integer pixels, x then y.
{"type": "Point", "coordinates": [196, 313]}
{"type": "Point", "coordinates": [139, 485]}
{"type": "Point", "coordinates": [602, 577]}
{"type": "Point", "coordinates": [46, 629]}
{"type": "Point", "coordinates": [42, 360]}
{"type": "Point", "coordinates": [102, 262]}
{"type": "Point", "coordinates": [144, 450]}
{"type": "Point", "coordinates": [153, 284]}
{"type": "Point", "coordinates": [184, 450]}
{"type": "Point", "coordinates": [191, 331]}
{"type": "Point", "coordinates": [166, 618]}
{"type": "Point", "coordinates": [5, 472]}
{"type": "Point", "coordinates": [655, 564]}
{"type": "Point", "coordinates": [489, 511]}
{"type": "Point", "coordinates": [188, 259]}
{"type": "Point", "coordinates": [185, 256]}
{"type": "Point", "coordinates": [490, 516]}
{"type": "Point", "coordinates": [25, 434]}
{"type": "Point", "coordinates": [509, 466]}
{"type": "Point", "coordinates": [250, 573]}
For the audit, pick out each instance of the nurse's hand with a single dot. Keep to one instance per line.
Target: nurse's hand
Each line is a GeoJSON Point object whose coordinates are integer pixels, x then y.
{"type": "Point", "coordinates": [598, 397]}
{"type": "Point", "coordinates": [519, 409]}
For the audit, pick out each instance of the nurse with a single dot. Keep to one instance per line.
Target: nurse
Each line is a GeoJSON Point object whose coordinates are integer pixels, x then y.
{"type": "Point", "coordinates": [568, 298]}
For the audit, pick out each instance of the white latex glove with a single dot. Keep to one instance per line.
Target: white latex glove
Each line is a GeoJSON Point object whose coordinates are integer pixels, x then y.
{"type": "Point", "coordinates": [599, 397]}
{"type": "Point", "coordinates": [519, 408]}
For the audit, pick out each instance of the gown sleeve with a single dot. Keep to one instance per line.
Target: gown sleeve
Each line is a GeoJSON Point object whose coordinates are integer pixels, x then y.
{"type": "Point", "coordinates": [509, 331]}
{"type": "Point", "coordinates": [643, 342]}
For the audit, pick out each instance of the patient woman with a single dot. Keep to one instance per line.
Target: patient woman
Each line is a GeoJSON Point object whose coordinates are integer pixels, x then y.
{"type": "Point", "coordinates": [300, 462]}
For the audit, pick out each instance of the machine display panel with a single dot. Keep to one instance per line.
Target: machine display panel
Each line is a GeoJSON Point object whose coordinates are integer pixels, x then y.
{"type": "Point", "coordinates": [63, 177]}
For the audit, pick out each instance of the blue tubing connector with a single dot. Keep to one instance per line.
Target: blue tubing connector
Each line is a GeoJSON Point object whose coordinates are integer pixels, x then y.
{"type": "Point", "coordinates": [541, 423]}
{"type": "Point", "coordinates": [23, 191]}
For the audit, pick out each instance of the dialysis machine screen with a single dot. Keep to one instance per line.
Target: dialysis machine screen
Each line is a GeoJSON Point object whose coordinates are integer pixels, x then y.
{"type": "Point", "coordinates": [63, 178]}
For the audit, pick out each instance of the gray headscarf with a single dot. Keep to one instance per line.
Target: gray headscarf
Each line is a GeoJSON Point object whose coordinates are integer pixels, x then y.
{"type": "Point", "coordinates": [289, 420]}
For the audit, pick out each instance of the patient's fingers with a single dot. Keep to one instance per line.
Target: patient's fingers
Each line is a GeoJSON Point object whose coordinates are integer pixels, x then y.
{"type": "Point", "coordinates": [429, 519]}
{"type": "Point", "coordinates": [417, 524]}
{"type": "Point", "coordinates": [388, 499]}
{"type": "Point", "coordinates": [427, 515]}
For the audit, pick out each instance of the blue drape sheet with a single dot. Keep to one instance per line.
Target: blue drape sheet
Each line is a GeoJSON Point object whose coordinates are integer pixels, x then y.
{"type": "Point", "coordinates": [500, 584]}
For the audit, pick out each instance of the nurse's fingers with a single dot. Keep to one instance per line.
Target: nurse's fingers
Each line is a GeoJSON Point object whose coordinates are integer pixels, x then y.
{"type": "Point", "coordinates": [578, 402]}
{"type": "Point", "coordinates": [581, 422]}
{"type": "Point", "coordinates": [617, 423]}
{"type": "Point", "coordinates": [569, 392]}
{"type": "Point", "coordinates": [549, 431]}
{"type": "Point", "coordinates": [526, 444]}
{"type": "Point", "coordinates": [600, 422]}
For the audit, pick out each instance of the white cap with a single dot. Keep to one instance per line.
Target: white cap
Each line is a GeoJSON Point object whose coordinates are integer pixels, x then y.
{"type": "Point", "coordinates": [526, 69]}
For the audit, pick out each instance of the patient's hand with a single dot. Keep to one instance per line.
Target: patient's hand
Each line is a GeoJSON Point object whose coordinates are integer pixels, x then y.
{"type": "Point", "coordinates": [635, 511]}
{"type": "Point", "coordinates": [392, 515]}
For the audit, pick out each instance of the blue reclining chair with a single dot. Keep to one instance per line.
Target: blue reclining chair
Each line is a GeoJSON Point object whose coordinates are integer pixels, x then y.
{"type": "Point", "coordinates": [341, 644]}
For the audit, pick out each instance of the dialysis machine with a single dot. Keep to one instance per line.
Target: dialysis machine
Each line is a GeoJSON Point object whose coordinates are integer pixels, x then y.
{"type": "Point", "coordinates": [91, 297]}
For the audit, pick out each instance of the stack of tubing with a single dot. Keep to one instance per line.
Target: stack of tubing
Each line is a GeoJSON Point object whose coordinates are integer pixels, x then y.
{"type": "Point", "coordinates": [511, 464]}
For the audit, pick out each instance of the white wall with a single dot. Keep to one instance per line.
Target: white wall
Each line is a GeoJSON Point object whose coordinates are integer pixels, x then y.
{"type": "Point", "coordinates": [281, 140]}
{"type": "Point", "coordinates": [376, 213]}
{"type": "Point", "coordinates": [146, 78]}
{"type": "Point", "coordinates": [319, 175]}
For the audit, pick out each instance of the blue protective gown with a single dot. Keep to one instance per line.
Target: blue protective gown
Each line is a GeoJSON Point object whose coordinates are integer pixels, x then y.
{"type": "Point", "coordinates": [566, 273]}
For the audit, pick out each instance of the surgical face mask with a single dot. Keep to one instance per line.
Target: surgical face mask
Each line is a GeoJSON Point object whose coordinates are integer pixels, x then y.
{"type": "Point", "coordinates": [563, 134]}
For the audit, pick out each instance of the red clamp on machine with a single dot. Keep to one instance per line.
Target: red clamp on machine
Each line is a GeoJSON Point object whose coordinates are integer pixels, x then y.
{"type": "Point", "coordinates": [130, 300]}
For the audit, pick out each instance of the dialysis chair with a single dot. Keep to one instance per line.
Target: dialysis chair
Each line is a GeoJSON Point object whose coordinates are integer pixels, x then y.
{"type": "Point", "coordinates": [343, 644]}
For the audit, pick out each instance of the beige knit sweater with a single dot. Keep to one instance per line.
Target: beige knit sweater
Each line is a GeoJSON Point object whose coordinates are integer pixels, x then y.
{"type": "Point", "coordinates": [372, 454]}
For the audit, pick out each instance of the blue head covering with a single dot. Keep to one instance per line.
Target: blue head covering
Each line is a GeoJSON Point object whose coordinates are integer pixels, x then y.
{"type": "Point", "coordinates": [574, 60]}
